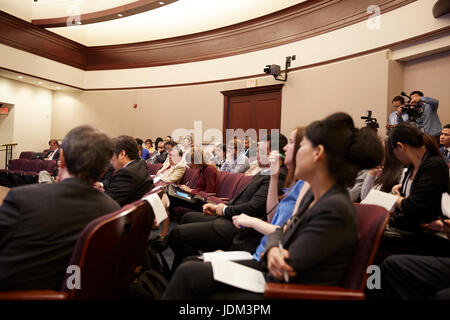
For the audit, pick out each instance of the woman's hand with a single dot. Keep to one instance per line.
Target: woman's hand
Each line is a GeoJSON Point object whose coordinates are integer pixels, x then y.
{"type": "Point", "coordinates": [243, 220]}
{"type": "Point", "coordinates": [274, 163]}
{"type": "Point", "coordinates": [277, 264]}
{"type": "Point", "coordinates": [186, 188]}
{"type": "Point", "coordinates": [396, 192]}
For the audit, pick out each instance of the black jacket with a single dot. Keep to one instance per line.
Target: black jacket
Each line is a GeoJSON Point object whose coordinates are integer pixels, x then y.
{"type": "Point", "coordinates": [129, 183]}
{"type": "Point", "coordinates": [39, 226]}
{"type": "Point", "coordinates": [320, 240]}
{"type": "Point", "coordinates": [423, 204]}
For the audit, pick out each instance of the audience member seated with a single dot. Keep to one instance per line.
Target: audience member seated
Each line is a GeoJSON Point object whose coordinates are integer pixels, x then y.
{"type": "Point", "coordinates": [130, 180]}
{"type": "Point", "coordinates": [385, 176]}
{"type": "Point", "coordinates": [236, 161]}
{"type": "Point", "coordinates": [419, 195]}
{"type": "Point", "coordinates": [445, 142]}
{"type": "Point", "coordinates": [208, 177]}
{"type": "Point", "coordinates": [219, 155]}
{"type": "Point", "coordinates": [160, 155]}
{"type": "Point", "coordinates": [320, 239]}
{"type": "Point", "coordinates": [143, 152]}
{"type": "Point", "coordinates": [53, 154]}
{"type": "Point", "coordinates": [290, 200]}
{"type": "Point", "coordinates": [412, 277]}
{"type": "Point", "coordinates": [173, 170]}
{"type": "Point", "coordinates": [149, 146]}
{"type": "Point", "coordinates": [40, 223]}
{"type": "Point", "coordinates": [213, 229]}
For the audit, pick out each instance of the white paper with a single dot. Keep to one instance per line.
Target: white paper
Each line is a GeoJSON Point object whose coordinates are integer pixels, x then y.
{"type": "Point", "coordinates": [239, 276]}
{"type": "Point", "coordinates": [156, 179]}
{"type": "Point", "coordinates": [380, 198]}
{"type": "Point", "coordinates": [158, 207]}
{"type": "Point", "coordinates": [227, 255]}
{"type": "Point", "coordinates": [445, 204]}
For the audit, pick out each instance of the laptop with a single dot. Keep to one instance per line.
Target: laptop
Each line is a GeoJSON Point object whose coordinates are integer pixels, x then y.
{"type": "Point", "coordinates": [179, 193]}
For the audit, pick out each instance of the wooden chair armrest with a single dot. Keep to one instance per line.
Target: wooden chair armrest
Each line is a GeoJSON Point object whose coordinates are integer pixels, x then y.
{"type": "Point", "coordinates": [224, 199]}
{"type": "Point", "coordinates": [211, 193]}
{"type": "Point", "coordinates": [310, 292]}
{"type": "Point", "coordinates": [33, 295]}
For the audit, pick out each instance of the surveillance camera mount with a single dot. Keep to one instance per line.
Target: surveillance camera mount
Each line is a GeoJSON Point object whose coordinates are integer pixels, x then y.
{"type": "Point", "coordinates": [288, 64]}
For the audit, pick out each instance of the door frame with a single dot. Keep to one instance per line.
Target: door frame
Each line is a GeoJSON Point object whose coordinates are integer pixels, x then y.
{"type": "Point", "coordinates": [245, 92]}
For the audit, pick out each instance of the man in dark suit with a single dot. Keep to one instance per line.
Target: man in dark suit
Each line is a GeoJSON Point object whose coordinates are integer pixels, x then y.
{"type": "Point", "coordinates": [53, 154]}
{"type": "Point", "coordinates": [40, 223]}
{"type": "Point", "coordinates": [213, 229]}
{"type": "Point", "coordinates": [131, 179]}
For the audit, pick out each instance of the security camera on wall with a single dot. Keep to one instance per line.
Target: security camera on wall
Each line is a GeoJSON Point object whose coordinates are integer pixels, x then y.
{"type": "Point", "coordinates": [275, 70]}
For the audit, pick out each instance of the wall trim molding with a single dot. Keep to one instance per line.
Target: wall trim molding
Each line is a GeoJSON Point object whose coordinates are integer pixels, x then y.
{"type": "Point", "coordinates": [322, 63]}
{"type": "Point", "coordinates": [302, 21]}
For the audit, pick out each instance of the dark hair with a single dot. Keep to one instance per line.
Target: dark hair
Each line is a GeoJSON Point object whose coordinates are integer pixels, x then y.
{"type": "Point", "coordinates": [409, 134]}
{"type": "Point", "coordinates": [447, 126]}
{"type": "Point", "coordinates": [54, 141]}
{"type": "Point", "coordinates": [157, 141]}
{"type": "Point", "coordinates": [392, 170]}
{"type": "Point", "coordinates": [420, 93]}
{"type": "Point", "coordinates": [290, 179]}
{"type": "Point", "coordinates": [180, 152]}
{"type": "Point", "coordinates": [87, 152]}
{"type": "Point", "coordinates": [169, 137]}
{"type": "Point", "coordinates": [149, 140]}
{"type": "Point", "coordinates": [128, 144]}
{"type": "Point", "coordinates": [282, 141]}
{"type": "Point", "coordinates": [399, 98]}
{"type": "Point", "coordinates": [348, 150]}
{"type": "Point", "coordinates": [139, 141]}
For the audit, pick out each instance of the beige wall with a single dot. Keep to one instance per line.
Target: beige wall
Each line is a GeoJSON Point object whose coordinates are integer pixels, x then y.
{"type": "Point", "coordinates": [32, 113]}
{"type": "Point", "coordinates": [353, 86]}
{"type": "Point", "coordinates": [431, 75]}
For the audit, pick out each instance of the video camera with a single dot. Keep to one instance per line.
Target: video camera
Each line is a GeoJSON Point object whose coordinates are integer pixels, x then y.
{"type": "Point", "coordinates": [371, 122]}
{"type": "Point", "coordinates": [414, 111]}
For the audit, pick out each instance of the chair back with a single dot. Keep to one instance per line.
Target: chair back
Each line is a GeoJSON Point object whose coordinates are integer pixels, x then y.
{"type": "Point", "coordinates": [245, 180]}
{"type": "Point", "coordinates": [228, 185]}
{"type": "Point", "coordinates": [32, 166]}
{"type": "Point", "coordinates": [190, 177]}
{"type": "Point", "coordinates": [17, 164]}
{"type": "Point", "coordinates": [26, 155]}
{"type": "Point", "coordinates": [372, 220]}
{"type": "Point", "coordinates": [49, 166]}
{"type": "Point", "coordinates": [108, 250]}
{"type": "Point", "coordinates": [153, 168]}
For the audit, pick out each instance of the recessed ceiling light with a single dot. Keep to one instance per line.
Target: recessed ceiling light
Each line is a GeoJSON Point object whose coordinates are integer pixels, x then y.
{"type": "Point", "coordinates": [161, 2]}
{"type": "Point", "coordinates": [20, 77]}
{"type": "Point", "coordinates": [40, 82]}
{"type": "Point", "coordinates": [58, 88]}
{"type": "Point", "coordinates": [120, 15]}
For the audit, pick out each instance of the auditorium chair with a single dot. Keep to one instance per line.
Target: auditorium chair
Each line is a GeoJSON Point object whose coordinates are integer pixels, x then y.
{"type": "Point", "coordinates": [371, 223]}
{"type": "Point", "coordinates": [26, 155]}
{"type": "Point", "coordinates": [107, 251]}
{"type": "Point", "coordinates": [190, 177]}
{"type": "Point", "coordinates": [153, 168]}
{"type": "Point", "coordinates": [227, 188]}
{"type": "Point", "coordinates": [50, 166]}
{"type": "Point", "coordinates": [15, 165]}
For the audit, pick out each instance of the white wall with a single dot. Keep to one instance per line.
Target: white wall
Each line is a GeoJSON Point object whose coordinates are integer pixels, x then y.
{"type": "Point", "coordinates": [32, 113]}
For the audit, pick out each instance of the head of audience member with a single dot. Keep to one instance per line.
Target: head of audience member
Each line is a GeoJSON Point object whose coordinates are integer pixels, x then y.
{"type": "Point", "coordinates": [149, 143]}
{"type": "Point", "coordinates": [53, 144]}
{"type": "Point", "coordinates": [247, 143]}
{"type": "Point", "coordinates": [445, 136]}
{"type": "Point", "coordinates": [220, 151]}
{"type": "Point", "coordinates": [271, 142]}
{"type": "Point", "coordinates": [160, 146]}
{"type": "Point", "coordinates": [392, 170]}
{"type": "Point", "coordinates": [198, 158]}
{"type": "Point", "coordinates": [398, 102]}
{"type": "Point", "coordinates": [235, 147]}
{"type": "Point", "coordinates": [85, 154]}
{"type": "Point", "coordinates": [415, 96]}
{"type": "Point", "coordinates": [291, 149]}
{"type": "Point", "coordinates": [175, 156]}
{"type": "Point", "coordinates": [169, 138]}
{"type": "Point", "coordinates": [125, 150]}
{"type": "Point", "coordinates": [139, 141]}
{"type": "Point", "coordinates": [334, 151]}
{"type": "Point", "coordinates": [186, 142]}
{"type": "Point", "coordinates": [408, 143]}
{"type": "Point", "coordinates": [168, 146]}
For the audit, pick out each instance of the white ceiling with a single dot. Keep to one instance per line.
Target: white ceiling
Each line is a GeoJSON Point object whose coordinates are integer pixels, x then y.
{"type": "Point", "coordinates": [179, 18]}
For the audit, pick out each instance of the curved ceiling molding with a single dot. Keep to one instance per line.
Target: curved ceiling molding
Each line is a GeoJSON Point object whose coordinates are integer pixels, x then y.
{"type": "Point", "coordinates": [103, 15]}
{"type": "Point", "coordinates": [302, 21]}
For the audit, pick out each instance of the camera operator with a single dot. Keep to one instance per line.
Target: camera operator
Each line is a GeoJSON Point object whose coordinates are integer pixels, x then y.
{"type": "Point", "coordinates": [429, 122]}
{"type": "Point", "coordinates": [399, 115]}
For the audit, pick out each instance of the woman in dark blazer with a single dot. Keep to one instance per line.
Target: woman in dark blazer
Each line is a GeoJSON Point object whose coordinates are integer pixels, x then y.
{"type": "Point", "coordinates": [419, 194]}
{"type": "Point", "coordinates": [320, 238]}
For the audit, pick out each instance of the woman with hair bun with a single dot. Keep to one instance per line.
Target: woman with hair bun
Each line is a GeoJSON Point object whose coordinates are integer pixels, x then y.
{"type": "Point", "coordinates": [419, 194]}
{"type": "Point", "coordinates": [319, 240]}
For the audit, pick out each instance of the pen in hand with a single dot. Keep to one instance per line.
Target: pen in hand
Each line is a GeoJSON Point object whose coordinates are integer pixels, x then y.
{"type": "Point", "coordinates": [285, 274]}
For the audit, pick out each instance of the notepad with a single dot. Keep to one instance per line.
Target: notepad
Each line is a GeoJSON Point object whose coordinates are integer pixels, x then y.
{"type": "Point", "coordinates": [158, 207]}
{"type": "Point", "coordinates": [237, 275]}
{"type": "Point", "coordinates": [380, 198]}
{"type": "Point", "coordinates": [227, 255]}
